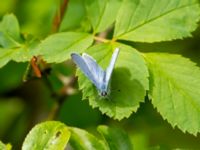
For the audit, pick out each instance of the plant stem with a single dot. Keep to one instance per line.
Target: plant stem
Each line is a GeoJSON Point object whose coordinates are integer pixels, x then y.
{"type": "Point", "coordinates": [59, 15]}
{"type": "Point", "coordinates": [35, 67]}
{"type": "Point", "coordinates": [59, 97]}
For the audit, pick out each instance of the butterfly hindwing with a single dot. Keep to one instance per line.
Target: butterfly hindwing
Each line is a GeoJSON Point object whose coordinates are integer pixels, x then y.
{"type": "Point", "coordinates": [95, 69]}
{"type": "Point", "coordinates": [80, 62]}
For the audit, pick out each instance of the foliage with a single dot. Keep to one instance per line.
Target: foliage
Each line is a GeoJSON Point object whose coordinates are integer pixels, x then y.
{"type": "Point", "coordinates": [170, 81]}
{"type": "Point", "coordinates": [54, 134]}
{"type": "Point", "coordinates": [5, 147]}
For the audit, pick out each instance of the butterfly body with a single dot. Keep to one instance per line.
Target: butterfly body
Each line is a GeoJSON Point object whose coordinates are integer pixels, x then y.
{"type": "Point", "coordinates": [94, 72]}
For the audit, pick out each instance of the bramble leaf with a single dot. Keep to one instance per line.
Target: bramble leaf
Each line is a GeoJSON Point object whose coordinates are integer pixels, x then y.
{"type": "Point", "coordinates": [102, 13]}
{"type": "Point", "coordinates": [174, 90]}
{"type": "Point", "coordinates": [49, 135]}
{"type": "Point", "coordinates": [81, 139]}
{"type": "Point", "coordinates": [12, 46]}
{"type": "Point", "coordinates": [73, 20]}
{"type": "Point", "coordinates": [58, 47]}
{"type": "Point", "coordinates": [129, 81]}
{"type": "Point", "coordinates": [23, 53]}
{"type": "Point", "coordinates": [10, 32]}
{"type": "Point", "coordinates": [5, 146]}
{"type": "Point", "coordinates": [153, 20]}
{"type": "Point", "coordinates": [116, 138]}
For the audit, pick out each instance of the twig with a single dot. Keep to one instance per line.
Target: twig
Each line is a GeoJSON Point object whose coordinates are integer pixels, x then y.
{"type": "Point", "coordinates": [35, 67]}
{"type": "Point", "coordinates": [59, 16]}
{"type": "Point", "coordinates": [60, 97]}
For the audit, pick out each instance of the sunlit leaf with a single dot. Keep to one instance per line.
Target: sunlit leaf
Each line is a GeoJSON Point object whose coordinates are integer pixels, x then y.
{"type": "Point", "coordinates": [12, 46]}
{"type": "Point", "coordinates": [128, 83]}
{"type": "Point", "coordinates": [5, 146]}
{"type": "Point", "coordinates": [10, 32]}
{"type": "Point", "coordinates": [102, 13]}
{"type": "Point", "coordinates": [58, 47]}
{"type": "Point", "coordinates": [156, 20]}
{"type": "Point", "coordinates": [69, 22]}
{"type": "Point", "coordinates": [23, 53]}
{"type": "Point", "coordinates": [174, 90]}
{"type": "Point", "coordinates": [83, 140]}
{"type": "Point", "coordinates": [49, 135]}
{"type": "Point", "coordinates": [116, 138]}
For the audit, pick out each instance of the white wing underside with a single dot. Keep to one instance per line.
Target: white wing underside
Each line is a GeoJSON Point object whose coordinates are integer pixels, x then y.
{"type": "Point", "coordinates": [110, 68]}
{"type": "Point", "coordinates": [95, 69]}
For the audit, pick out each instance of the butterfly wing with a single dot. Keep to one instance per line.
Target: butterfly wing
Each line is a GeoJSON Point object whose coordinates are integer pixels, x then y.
{"type": "Point", "coordinates": [95, 69]}
{"type": "Point", "coordinates": [110, 68]}
{"type": "Point", "coordinates": [81, 63]}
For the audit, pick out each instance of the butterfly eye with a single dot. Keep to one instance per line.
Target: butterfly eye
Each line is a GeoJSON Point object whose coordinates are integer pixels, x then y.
{"type": "Point", "coordinates": [104, 93]}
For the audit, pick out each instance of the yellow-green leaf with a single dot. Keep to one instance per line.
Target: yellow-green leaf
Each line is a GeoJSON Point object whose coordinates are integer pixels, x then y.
{"type": "Point", "coordinates": [156, 20]}
{"type": "Point", "coordinates": [48, 135]}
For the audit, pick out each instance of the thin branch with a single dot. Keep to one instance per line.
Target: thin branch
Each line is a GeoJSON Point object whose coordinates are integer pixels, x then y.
{"type": "Point", "coordinates": [60, 97]}
{"type": "Point", "coordinates": [59, 16]}
{"type": "Point", "coordinates": [35, 67]}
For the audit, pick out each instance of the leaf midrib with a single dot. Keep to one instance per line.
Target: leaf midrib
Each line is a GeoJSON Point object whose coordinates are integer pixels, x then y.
{"type": "Point", "coordinates": [151, 20]}
{"type": "Point", "coordinates": [68, 46]}
{"type": "Point", "coordinates": [173, 82]}
{"type": "Point", "coordinates": [100, 18]}
{"type": "Point", "coordinates": [12, 39]}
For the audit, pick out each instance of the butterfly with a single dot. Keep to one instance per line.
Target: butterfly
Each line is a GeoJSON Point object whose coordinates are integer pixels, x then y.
{"type": "Point", "coordinates": [99, 77]}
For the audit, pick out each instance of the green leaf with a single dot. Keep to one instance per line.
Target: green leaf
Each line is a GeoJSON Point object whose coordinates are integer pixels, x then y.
{"type": "Point", "coordinates": [23, 53]}
{"type": "Point", "coordinates": [174, 90]}
{"type": "Point", "coordinates": [128, 83]}
{"type": "Point", "coordinates": [154, 20]}
{"type": "Point", "coordinates": [13, 46]}
{"type": "Point", "coordinates": [49, 135]}
{"type": "Point", "coordinates": [83, 140]}
{"type": "Point", "coordinates": [5, 146]}
{"type": "Point", "coordinates": [10, 32]}
{"type": "Point", "coordinates": [102, 13]}
{"type": "Point", "coordinates": [116, 138]}
{"type": "Point", "coordinates": [58, 47]}
{"type": "Point", "coordinates": [69, 22]}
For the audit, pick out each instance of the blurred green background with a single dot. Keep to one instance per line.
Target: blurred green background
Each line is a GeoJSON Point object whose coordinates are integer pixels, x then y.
{"type": "Point", "coordinates": [24, 104]}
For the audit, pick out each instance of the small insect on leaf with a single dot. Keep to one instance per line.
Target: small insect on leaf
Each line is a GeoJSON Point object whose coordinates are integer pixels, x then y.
{"type": "Point", "coordinates": [99, 77]}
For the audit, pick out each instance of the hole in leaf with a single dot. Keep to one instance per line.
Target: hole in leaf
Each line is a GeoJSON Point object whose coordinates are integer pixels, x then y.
{"type": "Point", "coordinates": [58, 134]}
{"type": "Point", "coordinates": [45, 132]}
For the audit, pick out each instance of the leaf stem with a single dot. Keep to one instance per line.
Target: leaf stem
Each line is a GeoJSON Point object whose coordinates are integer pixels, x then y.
{"type": "Point", "coordinates": [101, 39]}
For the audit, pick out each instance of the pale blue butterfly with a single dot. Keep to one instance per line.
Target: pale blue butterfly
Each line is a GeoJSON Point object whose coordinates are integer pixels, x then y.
{"type": "Point", "coordinates": [94, 72]}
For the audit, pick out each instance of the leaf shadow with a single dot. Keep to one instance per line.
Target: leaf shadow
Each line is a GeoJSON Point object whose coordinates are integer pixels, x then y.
{"type": "Point", "coordinates": [126, 93]}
